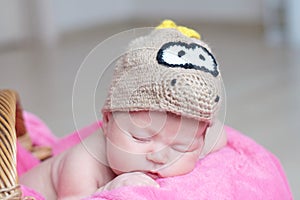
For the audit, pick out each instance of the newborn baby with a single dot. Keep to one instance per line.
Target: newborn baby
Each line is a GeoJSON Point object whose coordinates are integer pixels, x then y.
{"type": "Point", "coordinates": [162, 102]}
{"type": "Point", "coordinates": [133, 149]}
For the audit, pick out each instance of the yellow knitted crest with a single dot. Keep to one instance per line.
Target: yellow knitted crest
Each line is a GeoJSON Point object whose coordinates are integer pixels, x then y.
{"type": "Point", "coordinates": [184, 30]}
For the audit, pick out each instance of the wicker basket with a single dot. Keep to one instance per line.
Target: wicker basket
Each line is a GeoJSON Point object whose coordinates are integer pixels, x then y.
{"type": "Point", "coordinates": [12, 127]}
{"type": "Point", "coordinates": [11, 124]}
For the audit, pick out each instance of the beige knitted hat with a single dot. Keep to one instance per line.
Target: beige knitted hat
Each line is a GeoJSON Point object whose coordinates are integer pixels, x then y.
{"type": "Point", "coordinates": [166, 71]}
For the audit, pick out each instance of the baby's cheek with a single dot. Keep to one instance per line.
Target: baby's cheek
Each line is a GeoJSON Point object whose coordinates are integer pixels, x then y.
{"type": "Point", "coordinates": [122, 160]}
{"type": "Point", "coordinates": [183, 165]}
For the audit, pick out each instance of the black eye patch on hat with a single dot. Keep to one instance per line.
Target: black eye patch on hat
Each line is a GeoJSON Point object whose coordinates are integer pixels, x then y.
{"type": "Point", "coordinates": [188, 56]}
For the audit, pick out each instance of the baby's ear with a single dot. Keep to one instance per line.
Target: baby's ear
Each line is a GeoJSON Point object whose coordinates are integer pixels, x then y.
{"type": "Point", "coordinates": [215, 138]}
{"type": "Point", "coordinates": [106, 118]}
{"type": "Point", "coordinates": [203, 128]}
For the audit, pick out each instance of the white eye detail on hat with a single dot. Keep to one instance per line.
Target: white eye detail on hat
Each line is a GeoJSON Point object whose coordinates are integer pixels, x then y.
{"type": "Point", "coordinates": [188, 56]}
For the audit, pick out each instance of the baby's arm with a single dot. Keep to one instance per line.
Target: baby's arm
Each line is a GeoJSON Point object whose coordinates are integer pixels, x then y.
{"type": "Point", "coordinates": [78, 175]}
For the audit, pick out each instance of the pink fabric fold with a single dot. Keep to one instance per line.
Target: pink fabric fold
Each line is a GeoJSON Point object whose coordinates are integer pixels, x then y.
{"type": "Point", "coordinates": [241, 170]}
{"type": "Point", "coordinates": [38, 130]}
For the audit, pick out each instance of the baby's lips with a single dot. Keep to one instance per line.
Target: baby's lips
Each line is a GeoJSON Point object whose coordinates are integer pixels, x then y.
{"type": "Point", "coordinates": [153, 175]}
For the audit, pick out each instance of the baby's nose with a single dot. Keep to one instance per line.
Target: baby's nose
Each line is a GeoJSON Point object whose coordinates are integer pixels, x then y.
{"type": "Point", "coordinates": [159, 157]}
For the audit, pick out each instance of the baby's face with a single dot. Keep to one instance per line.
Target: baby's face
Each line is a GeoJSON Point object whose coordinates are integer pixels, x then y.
{"type": "Point", "coordinates": [157, 143]}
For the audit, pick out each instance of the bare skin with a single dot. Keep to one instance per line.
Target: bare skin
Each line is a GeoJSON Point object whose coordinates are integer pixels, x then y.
{"type": "Point", "coordinates": [133, 149]}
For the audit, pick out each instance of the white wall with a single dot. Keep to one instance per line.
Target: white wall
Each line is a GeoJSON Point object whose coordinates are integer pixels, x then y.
{"type": "Point", "coordinates": [293, 22]}
{"type": "Point", "coordinates": [12, 26]}
{"type": "Point", "coordinates": [75, 14]}
{"type": "Point", "coordinates": [46, 19]}
{"type": "Point", "coordinates": [241, 11]}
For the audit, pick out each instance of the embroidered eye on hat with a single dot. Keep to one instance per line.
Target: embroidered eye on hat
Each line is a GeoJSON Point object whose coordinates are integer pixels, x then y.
{"type": "Point", "coordinates": [169, 70]}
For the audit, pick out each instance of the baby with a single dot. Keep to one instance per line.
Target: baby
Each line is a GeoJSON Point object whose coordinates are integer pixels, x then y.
{"type": "Point", "coordinates": [157, 120]}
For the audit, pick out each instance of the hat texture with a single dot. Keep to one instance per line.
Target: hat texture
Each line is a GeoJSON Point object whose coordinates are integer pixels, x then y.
{"type": "Point", "coordinates": [166, 71]}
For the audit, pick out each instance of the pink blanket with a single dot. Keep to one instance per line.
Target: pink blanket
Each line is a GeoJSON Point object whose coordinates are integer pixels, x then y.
{"type": "Point", "coordinates": [241, 170]}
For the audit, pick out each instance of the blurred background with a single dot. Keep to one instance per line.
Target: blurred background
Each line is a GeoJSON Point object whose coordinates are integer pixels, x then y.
{"type": "Point", "coordinates": [256, 42]}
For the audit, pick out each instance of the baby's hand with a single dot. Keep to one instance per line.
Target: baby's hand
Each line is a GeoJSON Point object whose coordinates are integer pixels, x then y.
{"type": "Point", "coordinates": [130, 179]}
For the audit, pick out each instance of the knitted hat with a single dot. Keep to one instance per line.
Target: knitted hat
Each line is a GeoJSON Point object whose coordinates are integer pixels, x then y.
{"type": "Point", "coordinates": [169, 70]}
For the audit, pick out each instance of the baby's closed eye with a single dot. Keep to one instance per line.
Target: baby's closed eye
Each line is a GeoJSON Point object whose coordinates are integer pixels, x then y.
{"type": "Point", "coordinates": [141, 139]}
{"type": "Point", "coordinates": [183, 148]}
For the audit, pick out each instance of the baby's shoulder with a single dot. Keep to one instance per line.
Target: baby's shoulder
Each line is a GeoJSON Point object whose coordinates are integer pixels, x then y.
{"type": "Point", "coordinates": [88, 153]}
